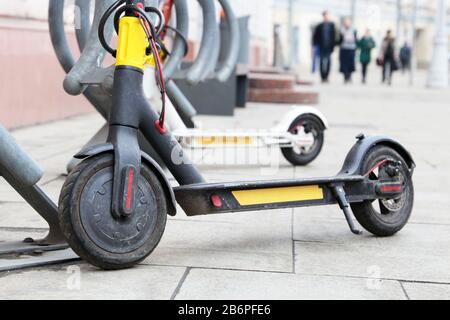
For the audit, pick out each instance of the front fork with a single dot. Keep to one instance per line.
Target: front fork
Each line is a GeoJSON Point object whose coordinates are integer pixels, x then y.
{"type": "Point", "coordinates": [130, 113]}
{"type": "Point", "coordinates": [127, 164]}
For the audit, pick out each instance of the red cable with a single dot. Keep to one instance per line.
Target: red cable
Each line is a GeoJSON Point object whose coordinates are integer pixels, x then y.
{"type": "Point", "coordinates": [163, 86]}
{"type": "Point", "coordinates": [160, 123]}
{"type": "Point", "coordinates": [379, 164]}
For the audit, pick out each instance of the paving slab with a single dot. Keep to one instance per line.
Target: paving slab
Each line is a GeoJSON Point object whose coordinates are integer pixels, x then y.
{"type": "Point", "coordinates": [425, 215]}
{"type": "Point", "coordinates": [53, 144]}
{"type": "Point", "coordinates": [330, 262]}
{"type": "Point", "coordinates": [431, 206]}
{"type": "Point", "coordinates": [7, 193]}
{"type": "Point", "coordinates": [327, 227]}
{"type": "Point", "coordinates": [330, 227]}
{"type": "Point", "coordinates": [219, 284]}
{"type": "Point", "coordinates": [53, 188]}
{"type": "Point", "coordinates": [45, 140]}
{"type": "Point", "coordinates": [80, 281]}
{"type": "Point", "coordinates": [427, 291]}
{"type": "Point", "coordinates": [249, 241]}
{"type": "Point", "coordinates": [16, 213]}
{"type": "Point", "coordinates": [55, 167]}
{"type": "Point", "coordinates": [331, 212]}
{"type": "Point", "coordinates": [21, 234]}
{"type": "Point", "coordinates": [20, 215]}
{"type": "Point", "coordinates": [417, 253]}
{"type": "Point", "coordinates": [13, 262]}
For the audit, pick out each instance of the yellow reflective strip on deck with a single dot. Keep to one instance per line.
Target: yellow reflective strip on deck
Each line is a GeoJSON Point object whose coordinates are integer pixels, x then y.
{"type": "Point", "coordinates": [278, 195]}
{"type": "Point", "coordinates": [205, 141]}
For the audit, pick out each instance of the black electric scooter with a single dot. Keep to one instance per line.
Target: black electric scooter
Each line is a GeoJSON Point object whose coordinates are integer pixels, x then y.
{"type": "Point", "coordinates": [114, 204]}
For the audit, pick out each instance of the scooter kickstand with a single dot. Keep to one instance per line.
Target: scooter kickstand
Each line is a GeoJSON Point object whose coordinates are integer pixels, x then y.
{"type": "Point", "coordinates": [339, 193]}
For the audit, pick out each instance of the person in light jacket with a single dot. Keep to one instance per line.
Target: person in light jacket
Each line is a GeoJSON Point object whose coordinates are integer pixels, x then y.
{"type": "Point", "coordinates": [348, 43]}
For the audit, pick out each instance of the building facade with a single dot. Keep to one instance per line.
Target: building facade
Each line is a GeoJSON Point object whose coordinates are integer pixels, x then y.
{"type": "Point", "coordinates": [31, 78]}
{"type": "Point", "coordinates": [376, 15]}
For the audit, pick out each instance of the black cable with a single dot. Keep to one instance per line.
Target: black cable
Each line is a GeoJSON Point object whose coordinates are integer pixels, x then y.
{"type": "Point", "coordinates": [163, 47]}
{"type": "Point", "coordinates": [102, 23]}
{"type": "Point", "coordinates": [154, 48]}
{"type": "Point", "coordinates": [115, 6]}
{"type": "Point", "coordinates": [182, 37]}
{"type": "Point", "coordinates": [151, 34]}
{"type": "Point", "coordinates": [160, 15]}
{"type": "Point", "coordinates": [155, 32]}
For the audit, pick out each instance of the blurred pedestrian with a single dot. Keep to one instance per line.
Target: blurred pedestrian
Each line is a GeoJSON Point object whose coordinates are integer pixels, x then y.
{"type": "Point", "coordinates": [315, 58]}
{"type": "Point", "coordinates": [405, 57]}
{"type": "Point", "coordinates": [365, 45]}
{"type": "Point", "coordinates": [387, 58]}
{"type": "Point", "coordinates": [324, 39]}
{"type": "Point", "coordinates": [348, 42]}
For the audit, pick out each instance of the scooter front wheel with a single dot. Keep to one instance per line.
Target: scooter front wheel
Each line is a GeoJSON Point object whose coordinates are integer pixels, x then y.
{"type": "Point", "coordinates": [91, 229]}
{"type": "Point", "coordinates": [310, 132]}
{"type": "Point", "coordinates": [385, 217]}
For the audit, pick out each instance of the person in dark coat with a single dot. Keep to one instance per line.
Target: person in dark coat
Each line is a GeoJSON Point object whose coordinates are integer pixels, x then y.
{"type": "Point", "coordinates": [324, 38]}
{"type": "Point", "coordinates": [365, 46]}
{"type": "Point", "coordinates": [348, 43]}
{"type": "Point", "coordinates": [388, 57]}
{"type": "Point", "coordinates": [405, 57]}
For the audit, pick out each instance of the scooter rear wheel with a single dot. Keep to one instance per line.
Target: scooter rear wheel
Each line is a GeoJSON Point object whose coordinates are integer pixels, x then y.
{"type": "Point", "coordinates": [89, 225]}
{"type": "Point", "coordinates": [299, 155]}
{"type": "Point", "coordinates": [385, 217]}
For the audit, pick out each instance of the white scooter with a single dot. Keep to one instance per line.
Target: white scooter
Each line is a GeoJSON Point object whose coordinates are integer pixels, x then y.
{"type": "Point", "coordinates": [299, 134]}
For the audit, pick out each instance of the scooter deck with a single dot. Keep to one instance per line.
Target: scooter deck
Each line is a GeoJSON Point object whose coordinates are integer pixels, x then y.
{"type": "Point", "coordinates": [210, 198]}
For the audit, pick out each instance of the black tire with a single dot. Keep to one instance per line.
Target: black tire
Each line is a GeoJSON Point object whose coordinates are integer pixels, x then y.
{"type": "Point", "coordinates": [312, 125]}
{"type": "Point", "coordinates": [392, 215]}
{"type": "Point", "coordinates": [91, 230]}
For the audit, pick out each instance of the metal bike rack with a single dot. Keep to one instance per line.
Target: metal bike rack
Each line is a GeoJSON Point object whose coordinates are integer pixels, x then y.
{"type": "Point", "coordinates": [87, 77]}
{"type": "Point", "coordinates": [200, 66]}
{"type": "Point", "coordinates": [221, 77]}
{"type": "Point", "coordinates": [23, 174]}
{"type": "Point", "coordinates": [230, 52]}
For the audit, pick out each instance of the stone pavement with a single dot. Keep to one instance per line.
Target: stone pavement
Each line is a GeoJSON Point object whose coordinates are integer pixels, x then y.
{"type": "Point", "coordinates": [305, 253]}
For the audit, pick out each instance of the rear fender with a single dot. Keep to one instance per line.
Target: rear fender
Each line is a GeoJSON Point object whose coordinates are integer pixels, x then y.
{"type": "Point", "coordinates": [355, 157]}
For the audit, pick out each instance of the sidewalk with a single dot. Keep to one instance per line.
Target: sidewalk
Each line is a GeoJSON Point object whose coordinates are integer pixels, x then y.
{"type": "Point", "coordinates": [306, 253]}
